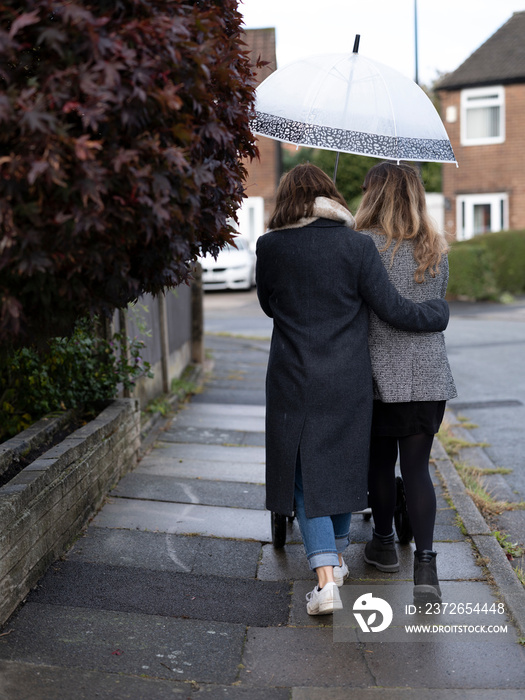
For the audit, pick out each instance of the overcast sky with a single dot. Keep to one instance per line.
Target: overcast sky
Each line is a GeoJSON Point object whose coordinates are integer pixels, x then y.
{"type": "Point", "coordinates": [449, 31]}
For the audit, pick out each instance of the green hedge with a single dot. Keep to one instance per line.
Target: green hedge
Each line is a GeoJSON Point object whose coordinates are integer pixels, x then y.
{"type": "Point", "coordinates": [82, 372]}
{"type": "Point", "coordinates": [488, 266]}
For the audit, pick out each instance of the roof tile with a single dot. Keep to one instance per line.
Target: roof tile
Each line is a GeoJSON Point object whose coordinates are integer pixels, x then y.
{"type": "Point", "coordinates": [501, 59]}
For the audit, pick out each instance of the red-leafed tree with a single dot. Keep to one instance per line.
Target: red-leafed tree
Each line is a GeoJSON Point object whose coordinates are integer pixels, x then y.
{"type": "Point", "coordinates": [123, 125]}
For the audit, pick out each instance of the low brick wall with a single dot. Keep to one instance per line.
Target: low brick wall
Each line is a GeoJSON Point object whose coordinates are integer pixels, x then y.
{"type": "Point", "coordinates": [44, 508]}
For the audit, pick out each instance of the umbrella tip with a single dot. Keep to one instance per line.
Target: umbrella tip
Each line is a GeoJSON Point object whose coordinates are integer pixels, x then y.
{"type": "Point", "coordinates": [356, 43]}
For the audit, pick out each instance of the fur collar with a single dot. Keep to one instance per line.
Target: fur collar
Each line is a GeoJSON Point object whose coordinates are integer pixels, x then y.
{"type": "Point", "coordinates": [324, 208]}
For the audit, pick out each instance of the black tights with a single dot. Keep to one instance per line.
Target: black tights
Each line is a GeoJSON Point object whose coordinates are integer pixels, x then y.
{"type": "Point", "coordinates": [414, 453]}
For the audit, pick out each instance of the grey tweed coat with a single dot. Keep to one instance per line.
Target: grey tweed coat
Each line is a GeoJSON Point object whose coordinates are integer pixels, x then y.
{"type": "Point", "coordinates": [409, 366]}
{"type": "Point", "coordinates": [315, 282]}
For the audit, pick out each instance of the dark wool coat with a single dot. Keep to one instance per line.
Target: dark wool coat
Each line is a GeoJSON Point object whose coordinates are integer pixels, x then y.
{"type": "Point", "coordinates": [315, 282]}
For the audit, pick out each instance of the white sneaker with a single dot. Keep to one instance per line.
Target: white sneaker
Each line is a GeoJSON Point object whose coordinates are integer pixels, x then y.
{"type": "Point", "coordinates": [340, 573]}
{"type": "Point", "coordinates": [324, 601]}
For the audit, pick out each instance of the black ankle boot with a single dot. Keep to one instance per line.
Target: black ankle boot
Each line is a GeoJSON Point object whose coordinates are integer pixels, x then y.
{"type": "Point", "coordinates": [381, 552]}
{"type": "Point", "coordinates": [426, 583]}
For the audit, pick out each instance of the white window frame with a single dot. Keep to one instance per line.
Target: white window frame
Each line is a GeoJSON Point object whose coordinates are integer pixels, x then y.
{"type": "Point", "coordinates": [482, 97]}
{"type": "Point", "coordinates": [499, 213]}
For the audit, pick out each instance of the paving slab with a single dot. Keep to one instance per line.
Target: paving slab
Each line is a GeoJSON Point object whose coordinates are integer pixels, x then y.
{"type": "Point", "coordinates": [224, 394]}
{"type": "Point", "coordinates": [125, 643]}
{"type": "Point", "coordinates": [207, 453]}
{"type": "Point", "coordinates": [455, 562]}
{"type": "Point", "coordinates": [159, 551]}
{"type": "Point", "coordinates": [447, 664]}
{"type": "Point", "coordinates": [288, 656]}
{"type": "Point", "coordinates": [153, 487]}
{"type": "Point", "coordinates": [165, 593]}
{"type": "Point", "coordinates": [185, 519]}
{"type": "Point", "coordinates": [213, 436]}
{"type": "Point", "coordinates": [404, 694]}
{"type": "Point", "coordinates": [238, 372]}
{"type": "Point", "coordinates": [446, 516]}
{"type": "Point", "coordinates": [447, 533]}
{"type": "Point", "coordinates": [243, 472]}
{"type": "Point", "coordinates": [242, 376]}
{"type": "Point", "coordinates": [20, 681]}
{"type": "Point", "coordinates": [221, 420]}
{"type": "Point", "coordinates": [233, 411]}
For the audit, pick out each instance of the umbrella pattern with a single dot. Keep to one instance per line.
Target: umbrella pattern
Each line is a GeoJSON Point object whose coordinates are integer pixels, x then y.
{"type": "Point", "coordinates": [351, 104]}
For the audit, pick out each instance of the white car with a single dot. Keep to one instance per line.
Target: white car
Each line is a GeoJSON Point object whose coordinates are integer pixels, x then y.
{"type": "Point", "coordinates": [233, 269]}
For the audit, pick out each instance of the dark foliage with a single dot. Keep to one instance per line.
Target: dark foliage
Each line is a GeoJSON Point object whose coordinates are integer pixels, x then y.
{"type": "Point", "coordinates": [123, 125]}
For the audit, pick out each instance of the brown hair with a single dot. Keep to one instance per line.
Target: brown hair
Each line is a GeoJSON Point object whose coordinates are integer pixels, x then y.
{"type": "Point", "coordinates": [297, 192]}
{"type": "Point", "coordinates": [394, 204]}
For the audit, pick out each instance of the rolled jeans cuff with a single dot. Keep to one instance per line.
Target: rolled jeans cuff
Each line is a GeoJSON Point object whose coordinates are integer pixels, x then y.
{"type": "Point", "coordinates": [323, 559]}
{"type": "Point", "coordinates": [341, 543]}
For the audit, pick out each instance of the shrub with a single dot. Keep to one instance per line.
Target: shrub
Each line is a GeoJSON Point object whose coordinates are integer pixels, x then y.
{"type": "Point", "coordinates": [80, 372]}
{"type": "Point", "coordinates": [488, 266]}
{"type": "Point", "coordinates": [507, 252]}
{"type": "Point", "coordinates": [123, 128]}
{"type": "Point", "coordinates": [471, 274]}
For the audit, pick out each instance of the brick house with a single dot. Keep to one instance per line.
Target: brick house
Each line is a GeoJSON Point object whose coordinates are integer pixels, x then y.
{"type": "Point", "coordinates": [483, 103]}
{"type": "Point", "coordinates": [263, 175]}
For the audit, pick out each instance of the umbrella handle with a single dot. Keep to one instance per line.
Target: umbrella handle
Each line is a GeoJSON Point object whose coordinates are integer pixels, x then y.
{"type": "Point", "coordinates": [336, 164]}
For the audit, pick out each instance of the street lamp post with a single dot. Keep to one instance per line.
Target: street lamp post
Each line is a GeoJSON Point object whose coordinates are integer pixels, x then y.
{"type": "Point", "coordinates": [415, 43]}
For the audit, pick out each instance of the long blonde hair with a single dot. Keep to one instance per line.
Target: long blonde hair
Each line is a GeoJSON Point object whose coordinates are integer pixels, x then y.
{"type": "Point", "coordinates": [394, 205]}
{"type": "Point", "coordinates": [297, 192]}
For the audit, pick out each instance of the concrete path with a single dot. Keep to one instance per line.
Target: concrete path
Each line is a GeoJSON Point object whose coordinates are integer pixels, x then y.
{"type": "Point", "coordinates": [176, 590]}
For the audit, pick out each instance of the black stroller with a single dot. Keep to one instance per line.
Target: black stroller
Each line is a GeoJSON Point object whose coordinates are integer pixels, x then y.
{"type": "Point", "coordinates": [401, 521]}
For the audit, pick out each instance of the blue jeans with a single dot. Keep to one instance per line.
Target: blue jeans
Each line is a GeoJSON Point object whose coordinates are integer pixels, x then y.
{"type": "Point", "coordinates": [324, 537]}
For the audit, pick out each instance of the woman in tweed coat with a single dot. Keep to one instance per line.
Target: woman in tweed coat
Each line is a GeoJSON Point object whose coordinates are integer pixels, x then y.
{"type": "Point", "coordinates": [315, 276]}
{"type": "Point", "coordinates": [412, 377]}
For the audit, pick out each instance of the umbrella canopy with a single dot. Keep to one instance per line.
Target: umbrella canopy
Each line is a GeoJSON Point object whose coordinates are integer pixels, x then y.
{"type": "Point", "coordinates": [349, 103]}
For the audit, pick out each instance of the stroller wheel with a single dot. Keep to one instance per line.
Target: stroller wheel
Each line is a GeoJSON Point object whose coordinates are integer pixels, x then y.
{"type": "Point", "coordinates": [401, 521]}
{"type": "Point", "coordinates": [278, 530]}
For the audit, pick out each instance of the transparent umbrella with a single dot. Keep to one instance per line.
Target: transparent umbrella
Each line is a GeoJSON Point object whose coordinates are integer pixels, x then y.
{"type": "Point", "coordinates": [351, 104]}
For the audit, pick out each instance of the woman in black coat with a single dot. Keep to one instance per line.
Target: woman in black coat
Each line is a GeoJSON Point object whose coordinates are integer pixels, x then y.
{"type": "Point", "coordinates": [316, 278]}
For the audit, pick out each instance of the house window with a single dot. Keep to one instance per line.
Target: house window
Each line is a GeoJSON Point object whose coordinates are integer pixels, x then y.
{"type": "Point", "coordinates": [482, 116]}
{"type": "Point", "coordinates": [481, 213]}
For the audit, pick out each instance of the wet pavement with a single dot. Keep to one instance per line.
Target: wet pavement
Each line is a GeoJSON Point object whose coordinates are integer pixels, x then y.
{"type": "Point", "coordinates": [486, 346]}
{"type": "Point", "coordinates": [176, 590]}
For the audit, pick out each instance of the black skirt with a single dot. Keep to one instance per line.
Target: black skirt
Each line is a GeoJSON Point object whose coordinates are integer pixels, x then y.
{"type": "Point", "coordinates": [407, 418]}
